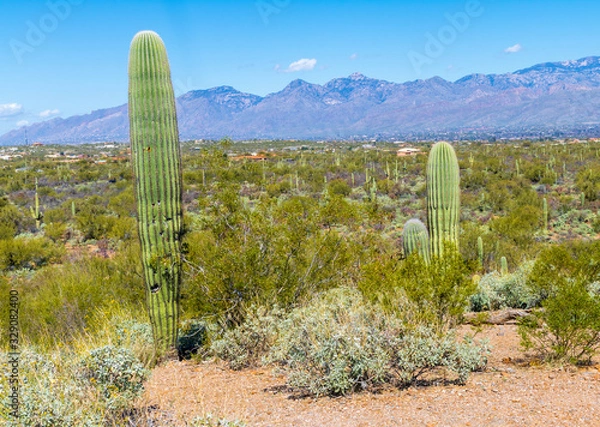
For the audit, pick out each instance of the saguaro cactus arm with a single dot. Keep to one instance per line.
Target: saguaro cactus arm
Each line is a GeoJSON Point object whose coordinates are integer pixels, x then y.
{"type": "Point", "coordinates": [415, 239]}
{"type": "Point", "coordinates": [156, 161]}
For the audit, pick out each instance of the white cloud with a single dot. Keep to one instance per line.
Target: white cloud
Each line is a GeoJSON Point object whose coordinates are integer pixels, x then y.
{"type": "Point", "coordinates": [354, 56]}
{"type": "Point", "coordinates": [8, 110]}
{"type": "Point", "coordinates": [303, 64]}
{"type": "Point", "coordinates": [514, 49]}
{"type": "Point", "coordinates": [22, 123]}
{"type": "Point", "coordinates": [49, 113]}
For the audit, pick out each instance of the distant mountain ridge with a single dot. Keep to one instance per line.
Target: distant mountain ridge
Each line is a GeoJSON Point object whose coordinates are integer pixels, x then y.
{"type": "Point", "coordinates": [551, 97]}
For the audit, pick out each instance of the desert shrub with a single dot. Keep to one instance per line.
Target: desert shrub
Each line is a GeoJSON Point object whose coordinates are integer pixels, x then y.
{"type": "Point", "coordinates": [558, 265]}
{"type": "Point", "coordinates": [567, 329]}
{"type": "Point", "coordinates": [103, 385]}
{"type": "Point", "coordinates": [495, 291]}
{"type": "Point", "coordinates": [55, 231]}
{"type": "Point", "coordinates": [47, 393]}
{"type": "Point", "coordinates": [116, 373]}
{"type": "Point", "coordinates": [339, 187]}
{"type": "Point", "coordinates": [29, 253]}
{"type": "Point", "coordinates": [340, 343]}
{"type": "Point", "coordinates": [250, 342]}
{"type": "Point", "coordinates": [271, 253]}
{"type": "Point", "coordinates": [123, 331]}
{"type": "Point", "coordinates": [59, 302]}
{"type": "Point", "coordinates": [588, 182]}
{"type": "Point", "coordinates": [10, 220]}
{"type": "Point", "coordinates": [439, 291]}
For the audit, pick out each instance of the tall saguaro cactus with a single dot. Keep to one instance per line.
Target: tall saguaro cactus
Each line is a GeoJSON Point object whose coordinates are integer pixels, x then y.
{"type": "Point", "coordinates": [156, 163]}
{"type": "Point", "coordinates": [443, 196]}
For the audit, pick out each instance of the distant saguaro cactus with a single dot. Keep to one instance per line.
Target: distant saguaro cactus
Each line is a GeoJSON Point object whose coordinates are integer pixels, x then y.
{"type": "Point", "coordinates": [36, 213]}
{"type": "Point", "coordinates": [415, 238]}
{"type": "Point", "coordinates": [443, 196]}
{"type": "Point", "coordinates": [503, 266]}
{"type": "Point", "coordinates": [156, 161]}
{"type": "Point", "coordinates": [545, 214]}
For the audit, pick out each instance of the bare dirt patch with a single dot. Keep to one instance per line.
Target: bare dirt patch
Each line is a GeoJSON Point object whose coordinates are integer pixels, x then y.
{"type": "Point", "coordinates": [513, 391]}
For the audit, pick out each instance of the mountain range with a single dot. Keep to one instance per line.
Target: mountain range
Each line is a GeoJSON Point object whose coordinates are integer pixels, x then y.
{"type": "Point", "coordinates": [550, 98]}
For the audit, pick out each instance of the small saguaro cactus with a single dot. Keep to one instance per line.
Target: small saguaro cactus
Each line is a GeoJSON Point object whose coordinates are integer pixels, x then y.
{"type": "Point", "coordinates": [480, 250]}
{"type": "Point", "coordinates": [36, 213]}
{"type": "Point", "coordinates": [443, 196]}
{"type": "Point", "coordinates": [156, 161]}
{"type": "Point", "coordinates": [503, 266]}
{"type": "Point", "coordinates": [415, 239]}
{"type": "Point", "coordinates": [545, 214]}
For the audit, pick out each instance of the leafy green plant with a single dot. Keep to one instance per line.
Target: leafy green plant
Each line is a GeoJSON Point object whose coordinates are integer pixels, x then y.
{"type": "Point", "coordinates": [567, 328]}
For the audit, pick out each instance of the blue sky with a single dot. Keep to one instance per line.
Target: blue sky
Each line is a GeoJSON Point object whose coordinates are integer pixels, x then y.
{"type": "Point", "coordinates": [64, 57]}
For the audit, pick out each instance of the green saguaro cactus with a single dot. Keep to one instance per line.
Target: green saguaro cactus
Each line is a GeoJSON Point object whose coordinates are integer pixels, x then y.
{"type": "Point", "coordinates": [545, 214]}
{"type": "Point", "coordinates": [36, 213]}
{"type": "Point", "coordinates": [415, 239]}
{"type": "Point", "coordinates": [443, 196]}
{"type": "Point", "coordinates": [156, 163]}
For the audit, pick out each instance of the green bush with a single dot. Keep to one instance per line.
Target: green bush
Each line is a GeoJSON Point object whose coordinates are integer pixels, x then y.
{"type": "Point", "coordinates": [495, 292]}
{"type": "Point", "coordinates": [28, 253]}
{"type": "Point", "coordinates": [567, 328]}
{"type": "Point", "coordinates": [47, 393]}
{"type": "Point", "coordinates": [339, 343]}
{"type": "Point", "coordinates": [439, 291]}
{"type": "Point", "coordinates": [267, 254]}
{"type": "Point", "coordinates": [60, 389]}
{"type": "Point", "coordinates": [339, 187]}
{"type": "Point", "coordinates": [249, 343]}
{"type": "Point", "coordinates": [59, 302]}
{"type": "Point", "coordinates": [116, 373]}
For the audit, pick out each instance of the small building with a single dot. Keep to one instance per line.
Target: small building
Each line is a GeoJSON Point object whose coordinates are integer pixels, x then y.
{"type": "Point", "coordinates": [408, 151]}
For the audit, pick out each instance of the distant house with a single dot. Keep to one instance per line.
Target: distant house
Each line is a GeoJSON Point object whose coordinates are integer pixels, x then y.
{"type": "Point", "coordinates": [37, 144]}
{"type": "Point", "coordinates": [408, 151]}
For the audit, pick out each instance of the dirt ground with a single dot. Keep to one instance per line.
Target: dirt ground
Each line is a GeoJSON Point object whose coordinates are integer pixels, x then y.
{"type": "Point", "coordinates": [510, 392]}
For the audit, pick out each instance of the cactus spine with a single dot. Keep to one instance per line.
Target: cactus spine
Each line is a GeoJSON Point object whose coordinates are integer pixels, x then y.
{"type": "Point", "coordinates": [415, 239]}
{"type": "Point", "coordinates": [156, 161]}
{"type": "Point", "coordinates": [443, 196]}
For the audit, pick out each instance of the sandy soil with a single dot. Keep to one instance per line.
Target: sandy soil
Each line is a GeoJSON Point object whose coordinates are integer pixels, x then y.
{"type": "Point", "coordinates": [511, 392]}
